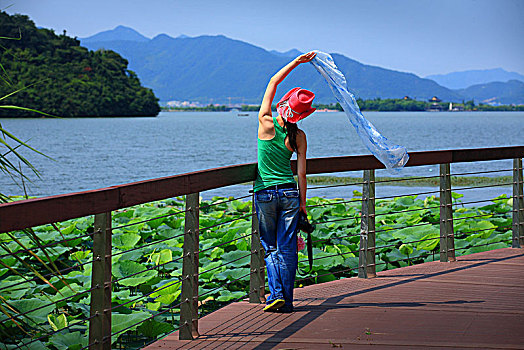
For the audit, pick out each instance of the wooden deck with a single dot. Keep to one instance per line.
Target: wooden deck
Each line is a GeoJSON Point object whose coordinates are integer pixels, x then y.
{"type": "Point", "coordinates": [476, 302]}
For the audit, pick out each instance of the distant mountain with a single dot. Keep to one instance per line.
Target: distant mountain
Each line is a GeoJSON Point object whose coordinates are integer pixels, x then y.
{"type": "Point", "coordinates": [496, 92]}
{"type": "Point", "coordinates": [461, 80]}
{"type": "Point", "coordinates": [291, 53]}
{"type": "Point", "coordinates": [217, 69]}
{"type": "Point", "coordinates": [119, 33]}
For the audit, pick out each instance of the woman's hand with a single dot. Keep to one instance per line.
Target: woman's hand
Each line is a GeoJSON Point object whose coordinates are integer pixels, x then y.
{"type": "Point", "coordinates": [303, 208]}
{"type": "Point", "coordinates": [306, 57]}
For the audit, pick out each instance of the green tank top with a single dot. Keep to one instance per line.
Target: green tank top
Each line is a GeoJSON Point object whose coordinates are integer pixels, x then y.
{"type": "Point", "coordinates": [274, 166]}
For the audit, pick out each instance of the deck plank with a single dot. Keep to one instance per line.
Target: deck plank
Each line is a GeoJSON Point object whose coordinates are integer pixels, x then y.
{"type": "Point", "coordinates": [476, 302]}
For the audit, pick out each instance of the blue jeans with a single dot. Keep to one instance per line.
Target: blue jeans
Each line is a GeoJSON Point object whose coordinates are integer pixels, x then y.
{"type": "Point", "coordinates": [277, 211]}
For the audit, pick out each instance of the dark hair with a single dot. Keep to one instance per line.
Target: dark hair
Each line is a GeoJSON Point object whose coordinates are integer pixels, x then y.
{"type": "Point", "coordinates": [291, 131]}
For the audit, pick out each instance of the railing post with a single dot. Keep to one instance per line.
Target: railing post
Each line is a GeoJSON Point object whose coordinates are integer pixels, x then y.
{"type": "Point", "coordinates": [257, 278]}
{"type": "Point", "coordinates": [100, 308]}
{"type": "Point", "coordinates": [518, 205]}
{"type": "Point", "coordinates": [447, 242]}
{"type": "Point", "coordinates": [366, 257]}
{"type": "Point", "coordinates": [189, 294]}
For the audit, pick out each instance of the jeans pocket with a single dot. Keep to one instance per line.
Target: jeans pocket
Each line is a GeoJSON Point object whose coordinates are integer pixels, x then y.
{"type": "Point", "coordinates": [264, 197]}
{"type": "Point", "coordinates": [290, 193]}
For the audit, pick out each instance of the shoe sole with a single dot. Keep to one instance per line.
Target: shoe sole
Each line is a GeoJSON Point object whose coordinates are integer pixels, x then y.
{"type": "Point", "coordinates": [278, 303]}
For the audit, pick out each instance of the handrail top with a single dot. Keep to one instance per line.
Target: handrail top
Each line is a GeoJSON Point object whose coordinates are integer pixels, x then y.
{"type": "Point", "coordinates": [37, 211]}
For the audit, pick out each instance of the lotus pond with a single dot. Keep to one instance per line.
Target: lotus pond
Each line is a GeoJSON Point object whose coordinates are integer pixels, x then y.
{"type": "Point", "coordinates": [53, 309]}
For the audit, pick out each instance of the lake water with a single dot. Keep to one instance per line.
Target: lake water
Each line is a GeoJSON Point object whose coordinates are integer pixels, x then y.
{"type": "Point", "coordinates": [90, 153]}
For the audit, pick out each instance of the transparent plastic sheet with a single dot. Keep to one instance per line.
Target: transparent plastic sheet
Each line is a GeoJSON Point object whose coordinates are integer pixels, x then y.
{"type": "Point", "coordinates": [391, 155]}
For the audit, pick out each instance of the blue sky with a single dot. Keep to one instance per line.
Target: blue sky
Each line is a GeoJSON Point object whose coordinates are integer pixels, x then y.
{"type": "Point", "coordinates": [420, 36]}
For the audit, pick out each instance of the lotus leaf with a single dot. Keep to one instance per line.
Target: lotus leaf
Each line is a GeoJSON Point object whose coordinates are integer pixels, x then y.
{"type": "Point", "coordinates": [162, 257]}
{"type": "Point", "coordinates": [236, 258]}
{"type": "Point", "coordinates": [57, 322]}
{"type": "Point", "coordinates": [126, 268]}
{"type": "Point", "coordinates": [226, 295]}
{"type": "Point", "coordinates": [485, 248]}
{"type": "Point", "coordinates": [405, 201]}
{"type": "Point", "coordinates": [153, 306]}
{"type": "Point", "coordinates": [406, 249]}
{"type": "Point", "coordinates": [325, 278]}
{"type": "Point", "coordinates": [35, 345]}
{"type": "Point", "coordinates": [125, 240]}
{"type": "Point", "coordinates": [37, 316]}
{"type": "Point", "coordinates": [131, 321]}
{"type": "Point", "coordinates": [233, 274]}
{"type": "Point", "coordinates": [153, 329]}
{"type": "Point", "coordinates": [431, 243]}
{"type": "Point", "coordinates": [80, 255]}
{"type": "Point", "coordinates": [167, 293]}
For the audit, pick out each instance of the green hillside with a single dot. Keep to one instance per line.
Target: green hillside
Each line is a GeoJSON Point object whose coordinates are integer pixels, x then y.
{"type": "Point", "coordinates": [57, 76]}
{"type": "Point", "coordinates": [213, 69]}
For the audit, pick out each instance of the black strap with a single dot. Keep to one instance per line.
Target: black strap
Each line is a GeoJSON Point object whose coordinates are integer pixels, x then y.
{"type": "Point", "coordinates": [309, 252]}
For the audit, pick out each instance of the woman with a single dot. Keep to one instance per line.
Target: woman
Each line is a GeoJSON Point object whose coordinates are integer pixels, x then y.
{"type": "Point", "coordinates": [277, 200]}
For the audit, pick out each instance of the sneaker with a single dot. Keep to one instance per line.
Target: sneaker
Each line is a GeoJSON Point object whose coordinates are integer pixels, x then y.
{"type": "Point", "coordinates": [274, 305]}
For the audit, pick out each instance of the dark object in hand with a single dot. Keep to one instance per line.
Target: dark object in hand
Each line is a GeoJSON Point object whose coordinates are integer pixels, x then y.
{"type": "Point", "coordinates": [303, 223]}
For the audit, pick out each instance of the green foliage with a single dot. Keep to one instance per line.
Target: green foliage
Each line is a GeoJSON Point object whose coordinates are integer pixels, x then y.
{"type": "Point", "coordinates": [148, 279]}
{"type": "Point", "coordinates": [68, 80]}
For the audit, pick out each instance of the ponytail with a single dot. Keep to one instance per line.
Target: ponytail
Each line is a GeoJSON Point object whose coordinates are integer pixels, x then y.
{"type": "Point", "coordinates": [291, 131]}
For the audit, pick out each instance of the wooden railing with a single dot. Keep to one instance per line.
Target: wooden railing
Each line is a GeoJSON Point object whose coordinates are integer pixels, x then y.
{"type": "Point", "coordinates": [101, 202]}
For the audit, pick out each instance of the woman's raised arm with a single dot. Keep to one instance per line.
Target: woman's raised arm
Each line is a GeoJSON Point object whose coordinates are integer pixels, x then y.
{"type": "Point", "coordinates": [269, 95]}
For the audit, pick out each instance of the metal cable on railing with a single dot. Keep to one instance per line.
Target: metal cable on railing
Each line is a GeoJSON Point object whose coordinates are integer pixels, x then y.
{"type": "Point", "coordinates": [406, 211]}
{"type": "Point", "coordinates": [478, 201]}
{"type": "Point", "coordinates": [408, 259]}
{"type": "Point", "coordinates": [224, 243]}
{"type": "Point", "coordinates": [45, 246]}
{"type": "Point", "coordinates": [53, 303]}
{"type": "Point", "coordinates": [229, 262]}
{"type": "Point", "coordinates": [486, 216]}
{"type": "Point", "coordinates": [227, 283]}
{"type": "Point", "coordinates": [483, 245]}
{"type": "Point", "coordinates": [485, 229]}
{"type": "Point", "coordinates": [336, 220]}
{"type": "Point", "coordinates": [149, 244]}
{"type": "Point", "coordinates": [395, 244]}
{"type": "Point", "coordinates": [89, 345]}
{"type": "Point", "coordinates": [167, 285]}
{"type": "Point", "coordinates": [330, 256]}
{"type": "Point", "coordinates": [336, 237]}
{"type": "Point", "coordinates": [406, 179]}
{"type": "Point", "coordinates": [326, 274]}
{"type": "Point", "coordinates": [335, 203]}
{"type": "Point", "coordinates": [402, 227]}
{"type": "Point", "coordinates": [482, 172]}
{"type": "Point", "coordinates": [224, 201]}
{"type": "Point", "coordinates": [20, 346]}
{"type": "Point", "coordinates": [226, 222]}
{"type": "Point", "coordinates": [148, 269]}
{"type": "Point", "coordinates": [408, 194]}
{"type": "Point", "coordinates": [155, 339]}
{"type": "Point", "coordinates": [149, 220]}
{"type": "Point", "coordinates": [171, 284]}
{"type": "Point", "coordinates": [482, 186]}
{"type": "Point", "coordinates": [334, 185]}
{"type": "Point", "coordinates": [147, 319]}
{"type": "Point", "coordinates": [37, 278]}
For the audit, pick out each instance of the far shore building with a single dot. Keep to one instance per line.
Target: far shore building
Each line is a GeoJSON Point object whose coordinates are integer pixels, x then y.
{"type": "Point", "coordinates": [435, 106]}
